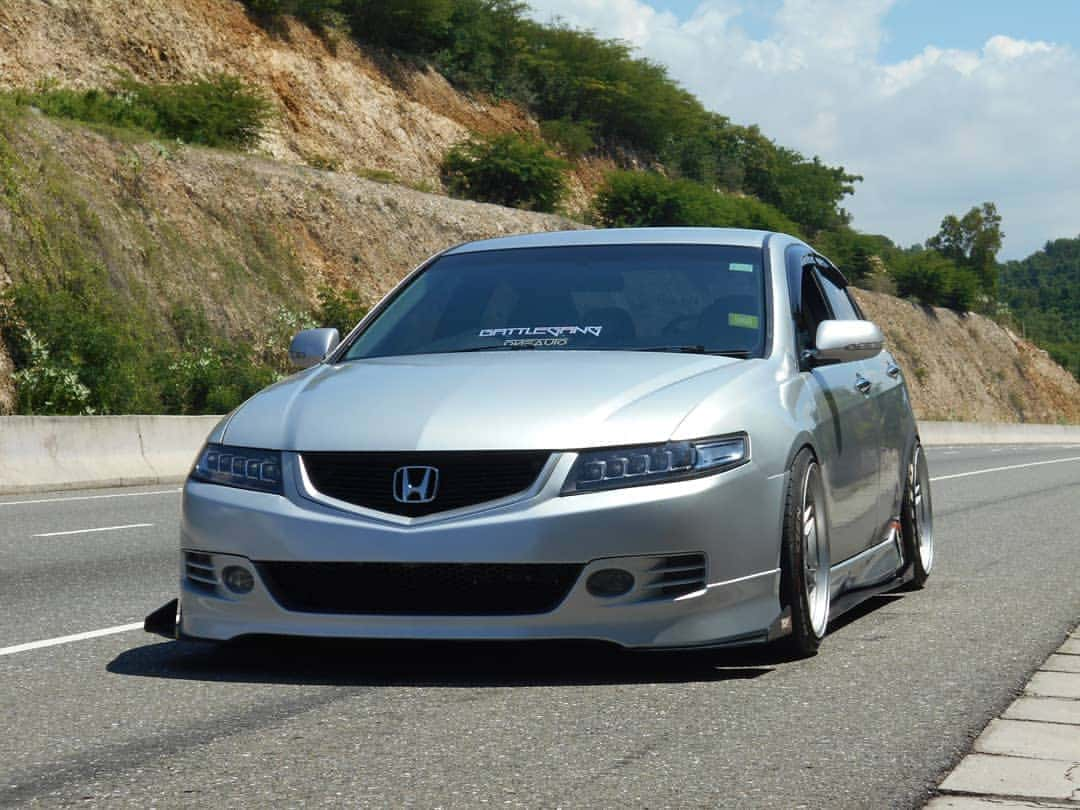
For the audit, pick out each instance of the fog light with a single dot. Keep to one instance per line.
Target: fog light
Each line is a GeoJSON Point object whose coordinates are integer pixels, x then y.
{"type": "Point", "coordinates": [610, 582]}
{"type": "Point", "coordinates": [237, 579]}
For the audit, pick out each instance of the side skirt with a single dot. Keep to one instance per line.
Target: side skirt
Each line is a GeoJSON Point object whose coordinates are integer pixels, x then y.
{"type": "Point", "coordinates": [846, 601]}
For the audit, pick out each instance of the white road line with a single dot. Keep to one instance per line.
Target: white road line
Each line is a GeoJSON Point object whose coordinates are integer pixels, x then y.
{"type": "Point", "coordinates": [52, 642]}
{"type": "Point", "coordinates": [1006, 467]}
{"type": "Point", "coordinates": [93, 497]}
{"type": "Point", "coordinates": [91, 531]}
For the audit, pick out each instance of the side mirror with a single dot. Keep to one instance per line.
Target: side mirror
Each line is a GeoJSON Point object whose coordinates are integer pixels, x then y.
{"type": "Point", "coordinates": [844, 341]}
{"type": "Point", "coordinates": [312, 345]}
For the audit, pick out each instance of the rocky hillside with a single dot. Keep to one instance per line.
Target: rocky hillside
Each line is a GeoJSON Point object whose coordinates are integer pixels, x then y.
{"type": "Point", "coordinates": [230, 235]}
{"type": "Point", "coordinates": [336, 107]}
{"type": "Point", "coordinates": [240, 236]}
{"type": "Point", "coordinates": [968, 368]}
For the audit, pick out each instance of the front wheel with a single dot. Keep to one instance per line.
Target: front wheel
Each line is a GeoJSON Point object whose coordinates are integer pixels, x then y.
{"type": "Point", "coordinates": [804, 556]}
{"type": "Point", "coordinates": [917, 519]}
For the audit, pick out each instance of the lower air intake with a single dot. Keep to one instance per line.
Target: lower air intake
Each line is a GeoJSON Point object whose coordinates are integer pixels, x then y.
{"type": "Point", "coordinates": [677, 575]}
{"type": "Point", "coordinates": [419, 589]}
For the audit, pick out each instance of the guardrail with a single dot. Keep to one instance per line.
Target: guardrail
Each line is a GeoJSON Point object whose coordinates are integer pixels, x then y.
{"type": "Point", "coordinates": [41, 453]}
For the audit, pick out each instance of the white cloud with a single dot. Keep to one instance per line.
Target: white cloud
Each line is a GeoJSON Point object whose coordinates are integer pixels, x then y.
{"type": "Point", "coordinates": [934, 134]}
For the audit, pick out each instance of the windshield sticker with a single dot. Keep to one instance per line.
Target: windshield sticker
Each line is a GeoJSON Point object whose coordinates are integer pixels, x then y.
{"type": "Point", "coordinates": [739, 267]}
{"type": "Point", "coordinates": [542, 331]}
{"type": "Point", "coordinates": [744, 321]}
{"type": "Point", "coordinates": [537, 342]}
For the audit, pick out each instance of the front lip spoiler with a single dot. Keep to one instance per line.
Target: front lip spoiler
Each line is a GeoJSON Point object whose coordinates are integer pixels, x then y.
{"type": "Point", "coordinates": [165, 621]}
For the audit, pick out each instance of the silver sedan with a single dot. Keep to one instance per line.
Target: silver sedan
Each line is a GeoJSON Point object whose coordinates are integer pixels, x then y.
{"type": "Point", "coordinates": [661, 438]}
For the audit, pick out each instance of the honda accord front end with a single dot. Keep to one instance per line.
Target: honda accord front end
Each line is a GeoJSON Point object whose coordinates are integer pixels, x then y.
{"type": "Point", "coordinates": [561, 436]}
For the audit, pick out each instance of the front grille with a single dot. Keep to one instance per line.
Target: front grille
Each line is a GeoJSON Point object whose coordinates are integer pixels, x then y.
{"type": "Point", "coordinates": [677, 575]}
{"type": "Point", "coordinates": [465, 478]}
{"type": "Point", "coordinates": [419, 589]}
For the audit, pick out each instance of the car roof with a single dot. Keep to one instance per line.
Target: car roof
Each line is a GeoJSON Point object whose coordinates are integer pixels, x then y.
{"type": "Point", "coordinates": [731, 237]}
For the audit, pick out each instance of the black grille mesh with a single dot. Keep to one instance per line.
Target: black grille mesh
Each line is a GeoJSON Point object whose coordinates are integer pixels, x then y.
{"type": "Point", "coordinates": [465, 478]}
{"type": "Point", "coordinates": [419, 589]}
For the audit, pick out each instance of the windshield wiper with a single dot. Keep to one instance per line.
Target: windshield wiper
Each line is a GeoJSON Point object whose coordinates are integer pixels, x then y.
{"type": "Point", "coordinates": [696, 349]}
{"type": "Point", "coordinates": [495, 348]}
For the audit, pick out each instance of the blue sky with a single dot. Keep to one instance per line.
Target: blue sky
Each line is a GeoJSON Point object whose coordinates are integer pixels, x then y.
{"type": "Point", "coordinates": [910, 25]}
{"type": "Point", "coordinates": [940, 104]}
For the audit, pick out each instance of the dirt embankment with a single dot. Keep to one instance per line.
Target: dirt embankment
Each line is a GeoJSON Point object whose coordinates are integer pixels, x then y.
{"type": "Point", "coordinates": [336, 106]}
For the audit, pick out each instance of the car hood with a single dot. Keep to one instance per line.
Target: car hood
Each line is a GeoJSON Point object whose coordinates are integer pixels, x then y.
{"type": "Point", "coordinates": [549, 400]}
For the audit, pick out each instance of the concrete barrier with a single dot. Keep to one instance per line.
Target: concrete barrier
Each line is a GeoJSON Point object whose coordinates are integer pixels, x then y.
{"type": "Point", "coordinates": [940, 433]}
{"type": "Point", "coordinates": [40, 453]}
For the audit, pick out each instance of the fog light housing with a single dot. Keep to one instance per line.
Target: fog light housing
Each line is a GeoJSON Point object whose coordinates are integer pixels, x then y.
{"type": "Point", "coordinates": [610, 582]}
{"type": "Point", "coordinates": [238, 580]}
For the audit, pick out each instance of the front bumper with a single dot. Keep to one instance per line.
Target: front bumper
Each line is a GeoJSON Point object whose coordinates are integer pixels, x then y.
{"type": "Point", "coordinates": [733, 519]}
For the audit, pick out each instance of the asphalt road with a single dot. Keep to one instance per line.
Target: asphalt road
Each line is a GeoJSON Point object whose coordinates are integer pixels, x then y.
{"type": "Point", "coordinates": [894, 697]}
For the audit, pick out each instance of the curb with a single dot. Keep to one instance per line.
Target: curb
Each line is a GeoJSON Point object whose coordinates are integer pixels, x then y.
{"type": "Point", "coordinates": [1030, 755]}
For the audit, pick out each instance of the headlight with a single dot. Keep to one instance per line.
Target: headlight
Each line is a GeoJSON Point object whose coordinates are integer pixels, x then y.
{"type": "Point", "coordinates": [242, 467]}
{"type": "Point", "coordinates": [654, 464]}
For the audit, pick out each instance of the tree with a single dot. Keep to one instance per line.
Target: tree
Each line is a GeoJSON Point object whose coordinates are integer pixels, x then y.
{"type": "Point", "coordinates": [973, 242]}
{"type": "Point", "coordinates": [416, 26]}
{"type": "Point", "coordinates": [646, 199]}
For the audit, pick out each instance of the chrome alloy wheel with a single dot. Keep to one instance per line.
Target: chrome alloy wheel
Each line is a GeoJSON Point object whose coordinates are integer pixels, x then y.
{"type": "Point", "coordinates": [815, 552]}
{"type": "Point", "coordinates": [922, 509]}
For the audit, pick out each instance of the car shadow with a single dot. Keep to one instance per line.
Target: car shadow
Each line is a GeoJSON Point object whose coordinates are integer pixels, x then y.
{"type": "Point", "coordinates": [435, 664]}
{"type": "Point", "coordinates": [871, 605]}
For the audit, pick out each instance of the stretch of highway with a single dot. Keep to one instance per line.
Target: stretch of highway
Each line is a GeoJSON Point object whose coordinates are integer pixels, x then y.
{"type": "Point", "coordinates": [97, 712]}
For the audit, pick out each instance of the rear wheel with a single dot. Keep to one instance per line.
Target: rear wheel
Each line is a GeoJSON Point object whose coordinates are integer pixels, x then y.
{"type": "Point", "coordinates": [804, 556]}
{"type": "Point", "coordinates": [917, 519]}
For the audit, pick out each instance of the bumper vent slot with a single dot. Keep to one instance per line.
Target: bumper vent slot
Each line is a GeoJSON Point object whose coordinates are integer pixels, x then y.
{"type": "Point", "coordinates": [199, 570]}
{"type": "Point", "coordinates": [465, 478]}
{"type": "Point", "coordinates": [676, 576]}
{"type": "Point", "coordinates": [419, 589]}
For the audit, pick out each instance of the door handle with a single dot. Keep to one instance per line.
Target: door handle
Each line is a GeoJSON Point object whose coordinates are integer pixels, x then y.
{"type": "Point", "coordinates": [893, 370]}
{"type": "Point", "coordinates": [862, 385]}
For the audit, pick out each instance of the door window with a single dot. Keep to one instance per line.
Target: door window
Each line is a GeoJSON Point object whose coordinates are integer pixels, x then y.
{"type": "Point", "coordinates": [840, 302]}
{"type": "Point", "coordinates": [813, 310]}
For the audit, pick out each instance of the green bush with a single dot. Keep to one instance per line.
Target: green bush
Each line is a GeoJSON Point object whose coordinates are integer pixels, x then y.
{"type": "Point", "coordinates": [573, 138]}
{"type": "Point", "coordinates": [217, 110]}
{"type": "Point", "coordinates": [934, 280]}
{"type": "Point", "coordinates": [340, 310]}
{"type": "Point", "coordinates": [506, 170]}
{"type": "Point", "coordinates": [211, 378]}
{"type": "Point", "coordinates": [417, 26]}
{"type": "Point", "coordinates": [317, 13]}
{"type": "Point", "coordinates": [646, 199]}
{"type": "Point", "coordinates": [87, 329]}
{"type": "Point", "coordinates": [45, 388]}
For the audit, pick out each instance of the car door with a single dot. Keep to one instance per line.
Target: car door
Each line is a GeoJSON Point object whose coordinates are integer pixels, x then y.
{"type": "Point", "coordinates": [890, 398]}
{"type": "Point", "coordinates": [849, 428]}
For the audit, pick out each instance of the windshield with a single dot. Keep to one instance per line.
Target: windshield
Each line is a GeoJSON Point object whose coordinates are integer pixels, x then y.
{"type": "Point", "coordinates": [701, 298]}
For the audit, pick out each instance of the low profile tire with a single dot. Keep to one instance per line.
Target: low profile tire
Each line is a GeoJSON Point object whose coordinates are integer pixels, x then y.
{"type": "Point", "coordinates": [917, 519]}
{"type": "Point", "coordinates": [804, 557]}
